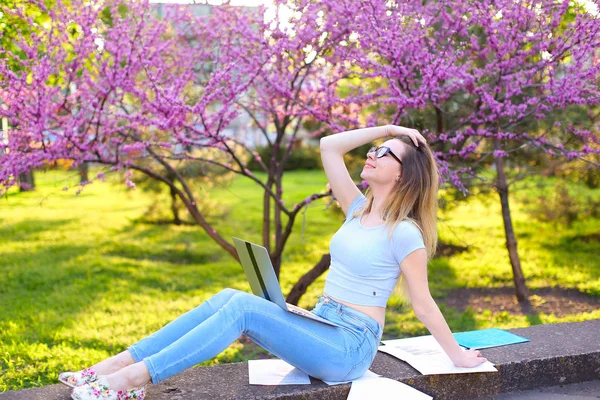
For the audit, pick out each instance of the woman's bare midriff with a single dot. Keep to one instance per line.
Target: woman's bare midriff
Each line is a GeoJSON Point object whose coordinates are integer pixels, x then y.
{"type": "Point", "coordinates": [375, 312]}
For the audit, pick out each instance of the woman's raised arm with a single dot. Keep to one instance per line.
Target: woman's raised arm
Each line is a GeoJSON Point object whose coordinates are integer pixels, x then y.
{"type": "Point", "coordinates": [333, 148]}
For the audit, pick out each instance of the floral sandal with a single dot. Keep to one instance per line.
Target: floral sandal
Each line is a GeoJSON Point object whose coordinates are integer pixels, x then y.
{"type": "Point", "coordinates": [100, 390]}
{"type": "Point", "coordinates": [74, 379]}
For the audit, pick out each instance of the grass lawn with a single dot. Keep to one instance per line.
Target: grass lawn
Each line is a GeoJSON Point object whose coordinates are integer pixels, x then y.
{"type": "Point", "coordinates": [82, 277]}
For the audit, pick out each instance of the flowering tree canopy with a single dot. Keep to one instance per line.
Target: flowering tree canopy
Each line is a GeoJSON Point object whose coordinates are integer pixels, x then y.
{"type": "Point", "coordinates": [114, 83]}
{"type": "Point", "coordinates": [486, 70]}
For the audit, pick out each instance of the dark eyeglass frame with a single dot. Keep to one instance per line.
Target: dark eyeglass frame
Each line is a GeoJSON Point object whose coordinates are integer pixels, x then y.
{"type": "Point", "coordinates": [386, 150]}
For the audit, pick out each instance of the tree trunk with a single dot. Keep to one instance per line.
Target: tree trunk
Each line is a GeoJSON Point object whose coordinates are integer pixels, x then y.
{"type": "Point", "coordinates": [174, 209]}
{"type": "Point", "coordinates": [276, 261]}
{"type": "Point", "coordinates": [266, 230]}
{"type": "Point", "coordinates": [278, 229]}
{"type": "Point", "coordinates": [83, 169]}
{"type": "Point", "coordinates": [26, 182]}
{"type": "Point", "coordinates": [439, 120]}
{"type": "Point", "coordinates": [303, 283]}
{"type": "Point", "coordinates": [511, 240]}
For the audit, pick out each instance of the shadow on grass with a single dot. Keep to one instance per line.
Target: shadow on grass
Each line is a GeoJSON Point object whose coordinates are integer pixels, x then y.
{"type": "Point", "coordinates": [176, 262]}
{"type": "Point", "coordinates": [43, 291]}
{"type": "Point", "coordinates": [38, 273]}
{"type": "Point", "coordinates": [173, 256]}
{"type": "Point", "coordinates": [25, 230]}
{"type": "Point", "coordinates": [584, 244]}
{"type": "Point", "coordinates": [546, 300]}
{"type": "Point", "coordinates": [441, 277]}
{"type": "Point", "coordinates": [583, 251]}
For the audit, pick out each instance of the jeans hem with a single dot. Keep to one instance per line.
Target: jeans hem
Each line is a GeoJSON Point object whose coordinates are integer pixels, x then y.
{"type": "Point", "coordinates": [134, 353]}
{"type": "Point", "coordinates": [151, 370]}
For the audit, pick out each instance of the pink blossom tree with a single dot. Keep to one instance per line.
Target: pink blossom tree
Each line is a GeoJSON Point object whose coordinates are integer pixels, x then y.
{"type": "Point", "coordinates": [112, 84]}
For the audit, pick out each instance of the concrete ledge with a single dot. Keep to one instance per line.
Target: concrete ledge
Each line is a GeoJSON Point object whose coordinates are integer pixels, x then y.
{"type": "Point", "coordinates": [557, 354]}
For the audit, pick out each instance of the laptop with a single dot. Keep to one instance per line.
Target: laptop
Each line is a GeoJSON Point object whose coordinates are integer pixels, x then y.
{"type": "Point", "coordinates": [263, 281]}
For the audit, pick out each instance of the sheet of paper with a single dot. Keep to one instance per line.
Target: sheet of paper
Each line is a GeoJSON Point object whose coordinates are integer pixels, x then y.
{"type": "Point", "coordinates": [426, 355]}
{"type": "Point", "coordinates": [275, 372]}
{"type": "Point", "coordinates": [384, 389]}
{"type": "Point", "coordinates": [367, 375]}
{"type": "Point", "coordinates": [486, 338]}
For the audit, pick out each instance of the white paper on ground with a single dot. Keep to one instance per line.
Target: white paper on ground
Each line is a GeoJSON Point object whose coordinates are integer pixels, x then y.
{"type": "Point", "coordinates": [383, 389]}
{"type": "Point", "coordinates": [275, 372]}
{"type": "Point", "coordinates": [426, 355]}
{"type": "Point", "coordinates": [367, 375]}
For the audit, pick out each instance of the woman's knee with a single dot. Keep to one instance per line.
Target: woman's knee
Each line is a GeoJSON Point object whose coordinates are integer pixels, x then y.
{"type": "Point", "coordinates": [243, 301]}
{"type": "Point", "coordinates": [230, 292]}
{"type": "Point", "coordinates": [244, 297]}
{"type": "Point", "coordinates": [229, 295]}
{"type": "Point", "coordinates": [218, 300]}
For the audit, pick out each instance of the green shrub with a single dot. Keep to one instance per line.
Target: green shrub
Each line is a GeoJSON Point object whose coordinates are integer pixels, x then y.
{"type": "Point", "coordinates": [559, 206]}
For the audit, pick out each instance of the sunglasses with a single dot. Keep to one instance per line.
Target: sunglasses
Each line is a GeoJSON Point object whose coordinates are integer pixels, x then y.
{"type": "Point", "coordinates": [382, 151]}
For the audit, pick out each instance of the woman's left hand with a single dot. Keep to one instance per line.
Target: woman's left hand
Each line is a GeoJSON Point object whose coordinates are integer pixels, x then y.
{"type": "Point", "coordinates": [469, 359]}
{"type": "Point", "coordinates": [415, 135]}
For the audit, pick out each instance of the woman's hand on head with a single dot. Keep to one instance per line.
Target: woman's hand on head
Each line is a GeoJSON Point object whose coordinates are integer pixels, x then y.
{"type": "Point", "coordinates": [469, 359]}
{"type": "Point", "coordinates": [395, 130]}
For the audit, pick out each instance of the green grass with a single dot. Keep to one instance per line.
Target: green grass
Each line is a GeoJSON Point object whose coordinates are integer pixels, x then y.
{"type": "Point", "coordinates": [82, 278]}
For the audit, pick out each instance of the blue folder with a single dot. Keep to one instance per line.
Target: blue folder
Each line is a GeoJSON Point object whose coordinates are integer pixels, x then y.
{"type": "Point", "coordinates": [485, 338]}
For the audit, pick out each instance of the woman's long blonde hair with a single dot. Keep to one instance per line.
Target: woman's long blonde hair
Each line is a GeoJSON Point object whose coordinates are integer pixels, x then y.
{"type": "Point", "coordinates": [414, 197]}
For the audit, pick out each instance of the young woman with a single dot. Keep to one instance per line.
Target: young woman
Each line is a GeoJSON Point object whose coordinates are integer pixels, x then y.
{"type": "Point", "coordinates": [391, 229]}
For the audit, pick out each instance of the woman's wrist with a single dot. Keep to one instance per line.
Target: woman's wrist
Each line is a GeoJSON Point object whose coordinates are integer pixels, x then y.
{"type": "Point", "coordinates": [345, 141]}
{"type": "Point", "coordinates": [456, 357]}
{"type": "Point", "coordinates": [386, 130]}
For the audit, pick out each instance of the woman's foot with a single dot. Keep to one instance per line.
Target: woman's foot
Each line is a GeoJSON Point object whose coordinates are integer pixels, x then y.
{"type": "Point", "coordinates": [102, 390]}
{"type": "Point", "coordinates": [105, 367]}
{"type": "Point", "coordinates": [74, 379]}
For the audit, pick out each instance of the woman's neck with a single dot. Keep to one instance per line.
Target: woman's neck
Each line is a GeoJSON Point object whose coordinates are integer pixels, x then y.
{"type": "Point", "coordinates": [379, 196]}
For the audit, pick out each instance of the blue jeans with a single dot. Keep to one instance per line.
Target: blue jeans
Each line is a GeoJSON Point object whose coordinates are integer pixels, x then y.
{"type": "Point", "coordinates": [323, 351]}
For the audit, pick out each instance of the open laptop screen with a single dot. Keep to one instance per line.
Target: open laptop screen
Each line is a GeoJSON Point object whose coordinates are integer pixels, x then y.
{"type": "Point", "coordinates": [259, 271]}
{"type": "Point", "coordinates": [261, 282]}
